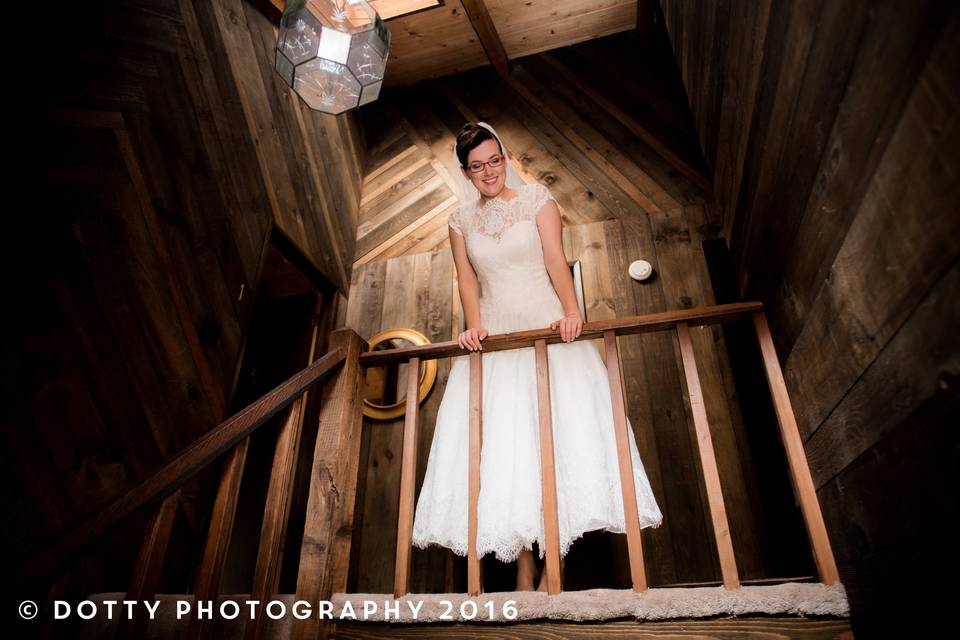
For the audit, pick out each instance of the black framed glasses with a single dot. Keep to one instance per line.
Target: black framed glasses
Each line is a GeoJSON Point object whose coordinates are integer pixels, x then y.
{"type": "Point", "coordinates": [476, 166]}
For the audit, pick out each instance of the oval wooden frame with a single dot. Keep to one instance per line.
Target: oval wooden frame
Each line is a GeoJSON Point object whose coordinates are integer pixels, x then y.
{"type": "Point", "coordinates": [428, 375]}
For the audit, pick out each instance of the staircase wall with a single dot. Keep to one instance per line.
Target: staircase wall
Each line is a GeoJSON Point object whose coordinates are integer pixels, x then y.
{"type": "Point", "coordinates": [831, 128]}
{"type": "Point", "coordinates": [159, 153]}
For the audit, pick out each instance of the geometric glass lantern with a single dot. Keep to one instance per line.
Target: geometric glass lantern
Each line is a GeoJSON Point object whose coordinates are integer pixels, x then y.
{"type": "Point", "coordinates": [333, 53]}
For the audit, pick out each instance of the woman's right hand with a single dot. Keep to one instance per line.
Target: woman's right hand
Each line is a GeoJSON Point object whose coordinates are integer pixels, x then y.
{"type": "Point", "coordinates": [470, 339]}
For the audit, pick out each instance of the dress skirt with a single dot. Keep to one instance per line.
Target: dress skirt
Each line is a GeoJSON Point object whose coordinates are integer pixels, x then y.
{"type": "Point", "coordinates": [510, 508]}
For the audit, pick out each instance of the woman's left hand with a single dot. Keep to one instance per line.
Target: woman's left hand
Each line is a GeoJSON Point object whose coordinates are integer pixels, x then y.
{"type": "Point", "coordinates": [570, 326]}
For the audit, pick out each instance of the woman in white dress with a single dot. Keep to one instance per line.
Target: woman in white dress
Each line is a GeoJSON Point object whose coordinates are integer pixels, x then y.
{"type": "Point", "coordinates": [513, 275]}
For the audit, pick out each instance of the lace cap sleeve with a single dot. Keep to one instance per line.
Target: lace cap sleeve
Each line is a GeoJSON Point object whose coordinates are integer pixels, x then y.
{"type": "Point", "coordinates": [454, 220]}
{"type": "Point", "coordinates": [541, 194]}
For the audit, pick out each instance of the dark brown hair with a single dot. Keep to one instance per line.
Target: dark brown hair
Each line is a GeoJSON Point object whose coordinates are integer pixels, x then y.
{"type": "Point", "coordinates": [471, 135]}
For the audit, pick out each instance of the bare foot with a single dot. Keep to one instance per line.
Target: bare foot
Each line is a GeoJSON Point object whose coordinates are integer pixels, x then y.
{"type": "Point", "coordinates": [526, 570]}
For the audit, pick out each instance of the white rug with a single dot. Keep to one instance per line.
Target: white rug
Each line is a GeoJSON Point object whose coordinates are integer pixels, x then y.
{"type": "Point", "coordinates": [792, 598]}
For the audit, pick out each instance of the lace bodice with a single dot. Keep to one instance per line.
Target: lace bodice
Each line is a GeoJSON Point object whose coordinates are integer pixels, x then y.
{"type": "Point", "coordinates": [497, 215]}
{"type": "Point", "coordinates": [503, 244]}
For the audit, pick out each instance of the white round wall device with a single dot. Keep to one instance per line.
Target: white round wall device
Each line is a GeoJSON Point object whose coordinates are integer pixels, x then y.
{"type": "Point", "coordinates": [640, 269]}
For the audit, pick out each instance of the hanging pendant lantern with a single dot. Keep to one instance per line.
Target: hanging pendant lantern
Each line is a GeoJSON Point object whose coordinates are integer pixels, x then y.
{"type": "Point", "coordinates": [333, 53]}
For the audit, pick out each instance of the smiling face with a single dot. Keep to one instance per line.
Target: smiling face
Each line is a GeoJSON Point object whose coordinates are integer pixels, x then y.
{"type": "Point", "coordinates": [491, 180]}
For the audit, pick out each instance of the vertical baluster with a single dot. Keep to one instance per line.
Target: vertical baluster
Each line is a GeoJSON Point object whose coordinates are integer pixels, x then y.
{"type": "Point", "coordinates": [273, 531]}
{"type": "Point", "coordinates": [149, 564]}
{"type": "Point", "coordinates": [474, 568]}
{"type": "Point", "coordinates": [708, 461]}
{"type": "Point", "coordinates": [328, 530]}
{"type": "Point", "coordinates": [207, 584]}
{"type": "Point", "coordinates": [796, 457]}
{"type": "Point", "coordinates": [276, 513]}
{"type": "Point", "coordinates": [628, 487]}
{"type": "Point", "coordinates": [551, 524]}
{"type": "Point", "coordinates": [408, 481]}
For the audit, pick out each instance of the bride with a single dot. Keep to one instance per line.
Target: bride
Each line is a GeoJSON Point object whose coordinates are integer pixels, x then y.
{"type": "Point", "coordinates": [513, 275]}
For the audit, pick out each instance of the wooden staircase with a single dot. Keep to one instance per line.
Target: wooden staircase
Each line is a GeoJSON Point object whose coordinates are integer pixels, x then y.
{"type": "Point", "coordinates": [325, 547]}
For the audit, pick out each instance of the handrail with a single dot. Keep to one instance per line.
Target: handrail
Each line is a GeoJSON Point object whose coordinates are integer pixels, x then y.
{"type": "Point", "coordinates": [679, 323]}
{"type": "Point", "coordinates": [623, 326]}
{"type": "Point", "coordinates": [181, 468]}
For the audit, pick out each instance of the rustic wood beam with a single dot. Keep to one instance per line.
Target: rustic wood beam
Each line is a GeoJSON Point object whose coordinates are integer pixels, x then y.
{"type": "Point", "coordinates": [489, 38]}
{"type": "Point", "coordinates": [387, 9]}
{"type": "Point", "coordinates": [396, 8]}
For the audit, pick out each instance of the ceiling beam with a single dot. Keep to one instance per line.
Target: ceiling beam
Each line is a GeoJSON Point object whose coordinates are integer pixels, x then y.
{"type": "Point", "coordinates": [489, 38]}
{"type": "Point", "coordinates": [386, 8]}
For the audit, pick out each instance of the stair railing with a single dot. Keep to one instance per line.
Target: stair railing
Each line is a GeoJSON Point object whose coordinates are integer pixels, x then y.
{"type": "Point", "coordinates": [328, 528]}
{"type": "Point", "coordinates": [675, 321]}
{"type": "Point", "coordinates": [161, 493]}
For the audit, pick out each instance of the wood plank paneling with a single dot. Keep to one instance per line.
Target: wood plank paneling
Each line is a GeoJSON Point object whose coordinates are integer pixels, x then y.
{"type": "Point", "coordinates": [161, 165]}
{"type": "Point", "coordinates": [836, 174]}
{"type": "Point", "coordinates": [905, 206]}
{"type": "Point", "coordinates": [410, 291]}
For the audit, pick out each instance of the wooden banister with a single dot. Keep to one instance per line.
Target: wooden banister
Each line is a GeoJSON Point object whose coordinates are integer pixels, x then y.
{"type": "Point", "coordinates": [628, 487]}
{"type": "Point", "coordinates": [708, 462]}
{"type": "Point", "coordinates": [624, 326]}
{"type": "Point", "coordinates": [408, 480]}
{"type": "Point", "coordinates": [328, 528]}
{"type": "Point", "coordinates": [796, 458]}
{"type": "Point", "coordinates": [325, 550]}
{"type": "Point", "coordinates": [551, 523]}
{"type": "Point", "coordinates": [474, 566]}
{"type": "Point", "coordinates": [206, 587]}
{"type": "Point", "coordinates": [177, 471]}
{"type": "Point", "coordinates": [276, 512]}
{"type": "Point", "coordinates": [678, 321]}
{"type": "Point", "coordinates": [148, 565]}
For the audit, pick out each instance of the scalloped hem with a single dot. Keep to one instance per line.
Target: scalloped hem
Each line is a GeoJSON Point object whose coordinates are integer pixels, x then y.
{"type": "Point", "coordinates": [510, 553]}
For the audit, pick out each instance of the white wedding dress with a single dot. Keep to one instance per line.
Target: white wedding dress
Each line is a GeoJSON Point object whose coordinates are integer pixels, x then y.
{"type": "Point", "coordinates": [516, 293]}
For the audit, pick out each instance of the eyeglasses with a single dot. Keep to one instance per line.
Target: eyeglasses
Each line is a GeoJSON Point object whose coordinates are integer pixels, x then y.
{"type": "Point", "coordinates": [477, 166]}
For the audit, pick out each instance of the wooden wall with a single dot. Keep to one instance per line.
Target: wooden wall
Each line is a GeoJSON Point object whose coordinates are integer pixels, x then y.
{"type": "Point", "coordinates": [614, 146]}
{"type": "Point", "coordinates": [832, 131]}
{"type": "Point", "coordinates": [154, 169]}
{"type": "Point", "coordinates": [642, 155]}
